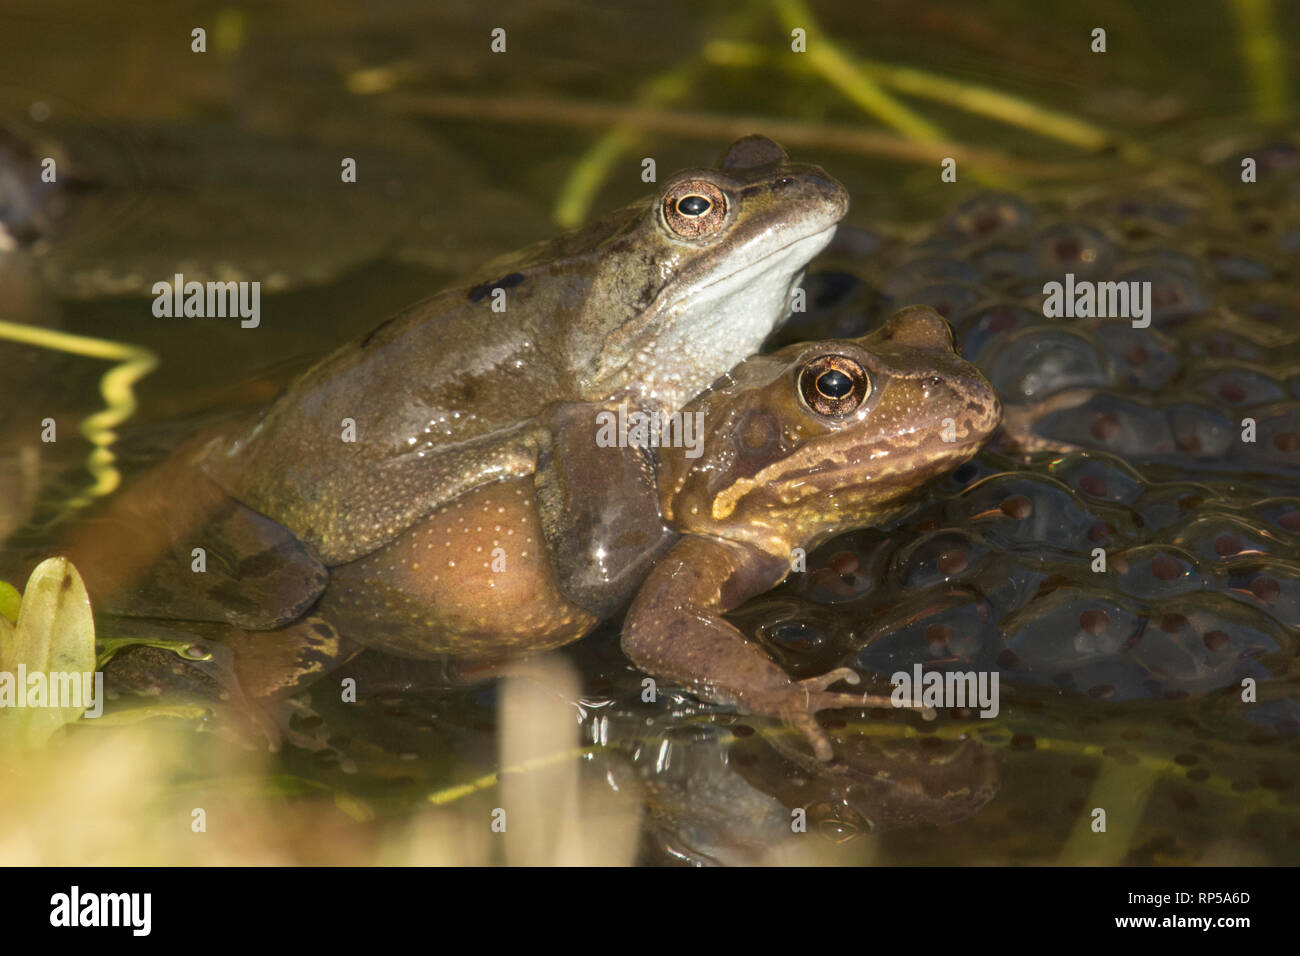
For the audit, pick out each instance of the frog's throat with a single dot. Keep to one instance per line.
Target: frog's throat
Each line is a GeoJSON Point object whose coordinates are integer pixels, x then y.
{"type": "Point", "coordinates": [727, 318]}
{"type": "Point", "coordinates": [814, 243]}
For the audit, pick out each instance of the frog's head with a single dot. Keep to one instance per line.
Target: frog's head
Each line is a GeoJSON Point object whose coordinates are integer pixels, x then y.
{"type": "Point", "coordinates": [701, 275]}
{"type": "Point", "coordinates": [822, 437]}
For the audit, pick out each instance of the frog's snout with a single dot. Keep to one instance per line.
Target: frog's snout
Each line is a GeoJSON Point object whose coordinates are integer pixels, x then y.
{"type": "Point", "coordinates": [956, 389]}
{"type": "Point", "coordinates": [828, 191]}
{"type": "Point", "coordinates": [821, 200]}
{"type": "Point", "coordinates": [987, 408]}
{"type": "Point", "coordinates": [977, 407]}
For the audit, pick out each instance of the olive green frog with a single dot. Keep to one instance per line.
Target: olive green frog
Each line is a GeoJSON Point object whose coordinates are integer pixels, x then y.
{"type": "Point", "coordinates": [649, 304]}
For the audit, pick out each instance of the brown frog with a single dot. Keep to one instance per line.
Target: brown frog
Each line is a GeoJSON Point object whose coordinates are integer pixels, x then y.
{"type": "Point", "coordinates": [797, 446]}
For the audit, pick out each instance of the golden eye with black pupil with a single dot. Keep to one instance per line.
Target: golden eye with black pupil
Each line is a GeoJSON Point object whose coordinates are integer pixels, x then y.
{"type": "Point", "coordinates": [834, 385]}
{"type": "Point", "coordinates": [695, 209]}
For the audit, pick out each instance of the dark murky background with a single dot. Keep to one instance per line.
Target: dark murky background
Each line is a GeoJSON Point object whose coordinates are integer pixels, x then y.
{"type": "Point", "coordinates": [1120, 690]}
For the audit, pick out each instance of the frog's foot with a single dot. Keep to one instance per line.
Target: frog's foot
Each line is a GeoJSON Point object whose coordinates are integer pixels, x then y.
{"type": "Point", "coordinates": [817, 685]}
{"type": "Point", "coordinates": [675, 630]}
{"type": "Point", "coordinates": [800, 702]}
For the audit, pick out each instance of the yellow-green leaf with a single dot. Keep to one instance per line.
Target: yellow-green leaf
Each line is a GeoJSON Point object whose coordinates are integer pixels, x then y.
{"type": "Point", "coordinates": [55, 639]}
{"type": "Point", "coordinates": [10, 598]}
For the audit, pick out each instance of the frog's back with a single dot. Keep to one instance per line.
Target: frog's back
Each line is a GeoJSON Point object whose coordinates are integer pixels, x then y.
{"type": "Point", "coordinates": [437, 400]}
{"type": "Point", "coordinates": [394, 424]}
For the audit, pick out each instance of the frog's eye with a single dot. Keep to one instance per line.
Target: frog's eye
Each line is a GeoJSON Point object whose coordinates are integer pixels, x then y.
{"type": "Point", "coordinates": [695, 209]}
{"type": "Point", "coordinates": [834, 385]}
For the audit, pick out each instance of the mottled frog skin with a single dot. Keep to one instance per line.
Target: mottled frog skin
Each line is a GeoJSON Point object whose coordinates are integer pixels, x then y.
{"type": "Point", "coordinates": [799, 445]}
{"type": "Point", "coordinates": [649, 304]}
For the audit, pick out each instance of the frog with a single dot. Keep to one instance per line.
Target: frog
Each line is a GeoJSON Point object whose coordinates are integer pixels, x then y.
{"type": "Point", "coordinates": [649, 304]}
{"type": "Point", "coordinates": [797, 446]}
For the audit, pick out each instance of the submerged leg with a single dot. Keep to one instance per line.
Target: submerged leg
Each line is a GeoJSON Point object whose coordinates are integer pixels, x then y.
{"type": "Point", "coordinates": [675, 630]}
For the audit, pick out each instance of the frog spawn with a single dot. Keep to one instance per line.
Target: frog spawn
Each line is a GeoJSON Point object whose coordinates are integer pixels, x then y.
{"type": "Point", "coordinates": [1137, 411]}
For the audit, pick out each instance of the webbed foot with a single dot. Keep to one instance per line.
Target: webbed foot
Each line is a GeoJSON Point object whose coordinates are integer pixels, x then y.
{"type": "Point", "coordinates": [801, 701]}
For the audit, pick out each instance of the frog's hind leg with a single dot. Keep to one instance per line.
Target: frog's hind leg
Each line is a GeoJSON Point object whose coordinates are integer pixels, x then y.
{"type": "Point", "coordinates": [172, 545]}
{"type": "Point", "coordinates": [472, 580]}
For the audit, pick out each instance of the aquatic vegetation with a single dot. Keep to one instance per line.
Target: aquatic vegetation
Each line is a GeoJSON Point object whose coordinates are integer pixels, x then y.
{"type": "Point", "coordinates": [131, 363]}
{"type": "Point", "coordinates": [54, 635]}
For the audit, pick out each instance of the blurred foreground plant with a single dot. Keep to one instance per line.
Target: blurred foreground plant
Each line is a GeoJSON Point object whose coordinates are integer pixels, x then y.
{"type": "Point", "coordinates": [53, 633]}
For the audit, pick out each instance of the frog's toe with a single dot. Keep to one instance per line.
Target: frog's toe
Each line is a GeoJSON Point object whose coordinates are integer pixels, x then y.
{"type": "Point", "coordinates": [819, 698]}
{"type": "Point", "coordinates": [829, 701]}
{"type": "Point", "coordinates": [807, 724]}
{"type": "Point", "coordinates": [812, 696]}
{"type": "Point", "coordinates": [822, 681]}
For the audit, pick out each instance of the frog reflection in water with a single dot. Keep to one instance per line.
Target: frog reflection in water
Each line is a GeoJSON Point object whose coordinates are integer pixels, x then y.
{"type": "Point", "coordinates": [800, 445]}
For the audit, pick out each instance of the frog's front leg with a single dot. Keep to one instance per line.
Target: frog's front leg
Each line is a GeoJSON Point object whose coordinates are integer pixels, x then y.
{"type": "Point", "coordinates": [676, 631]}
{"type": "Point", "coordinates": [598, 504]}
